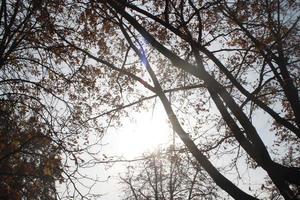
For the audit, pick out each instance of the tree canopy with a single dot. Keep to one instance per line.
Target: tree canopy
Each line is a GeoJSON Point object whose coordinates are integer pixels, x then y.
{"type": "Point", "coordinates": [226, 73]}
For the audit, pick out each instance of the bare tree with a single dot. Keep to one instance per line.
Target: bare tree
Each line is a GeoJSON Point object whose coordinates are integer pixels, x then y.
{"type": "Point", "coordinates": [167, 175]}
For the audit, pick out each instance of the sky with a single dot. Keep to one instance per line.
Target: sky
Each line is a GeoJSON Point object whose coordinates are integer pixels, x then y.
{"type": "Point", "coordinates": [144, 133]}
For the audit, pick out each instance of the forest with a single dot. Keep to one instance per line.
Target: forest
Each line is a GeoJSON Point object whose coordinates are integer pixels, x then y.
{"type": "Point", "coordinates": [224, 73]}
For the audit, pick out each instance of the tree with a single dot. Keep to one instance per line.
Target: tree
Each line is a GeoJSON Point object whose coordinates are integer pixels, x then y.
{"type": "Point", "coordinates": [182, 39]}
{"type": "Point", "coordinates": [30, 161]}
{"type": "Point", "coordinates": [167, 175]}
{"type": "Point", "coordinates": [43, 129]}
{"type": "Point", "coordinates": [228, 65]}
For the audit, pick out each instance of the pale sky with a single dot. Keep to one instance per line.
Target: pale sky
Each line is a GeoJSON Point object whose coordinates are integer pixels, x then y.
{"type": "Point", "coordinates": [146, 133]}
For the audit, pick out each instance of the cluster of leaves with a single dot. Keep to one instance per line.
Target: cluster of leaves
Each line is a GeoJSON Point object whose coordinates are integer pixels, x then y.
{"type": "Point", "coordinates": [30, 161]}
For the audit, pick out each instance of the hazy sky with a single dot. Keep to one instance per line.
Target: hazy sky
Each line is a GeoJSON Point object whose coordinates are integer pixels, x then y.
{"type": "Point", "coordinates": [145, 133]}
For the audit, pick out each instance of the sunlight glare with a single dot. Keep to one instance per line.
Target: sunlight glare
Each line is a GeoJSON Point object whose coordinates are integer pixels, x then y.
{"type": "Point", "coordinates": [148, 132]}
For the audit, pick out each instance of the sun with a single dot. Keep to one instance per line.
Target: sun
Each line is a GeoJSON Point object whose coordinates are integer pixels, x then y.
{"type": "Point", "coordinates": [147, 132]}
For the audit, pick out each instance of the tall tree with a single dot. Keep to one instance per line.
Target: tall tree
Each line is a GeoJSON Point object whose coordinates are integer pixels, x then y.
{"type": "Point", "coordinates": [43, 128]}
{"type": "Point", "coordinates": [230, 65]}
{"type": "Point", "coordinates": [231, 51]}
